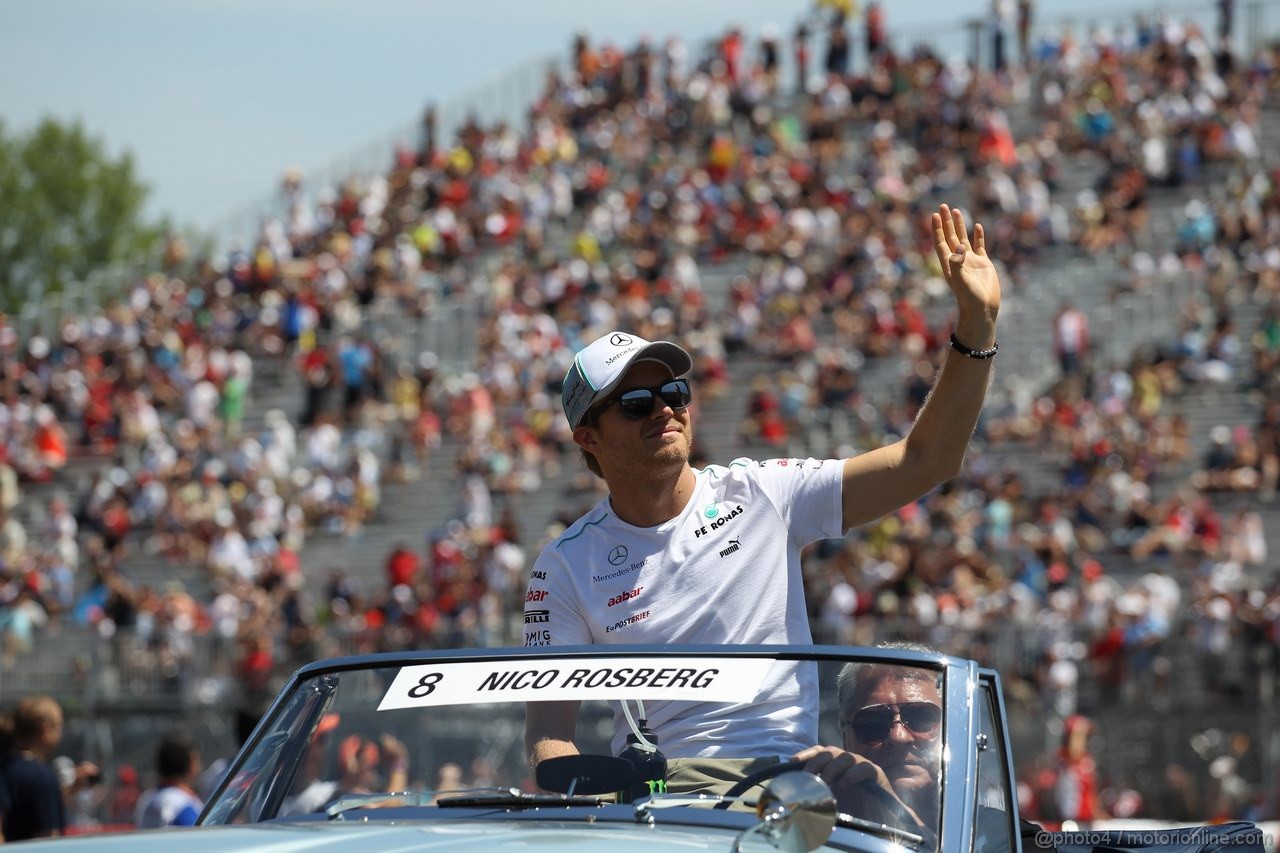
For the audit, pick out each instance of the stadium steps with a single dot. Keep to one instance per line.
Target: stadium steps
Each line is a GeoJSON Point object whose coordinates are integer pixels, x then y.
{"type": "Point", "coordinates": [1092, 283]}
{"type": "Point", "coordinates": [417, 511]}
{"type": "Point", "coordinates": [1061, 274]}
{"type": "Point", "coordinates": [54, 664]}
{"type": "Point", "coordinates": [64, 645]}
{"type": "Point", "coordinates": [1204, 405]}
{"type": "Point", "coordinates": [31, 510]}
{"type": "Point", "coordinates": [275, 386]}
{"type": "Point", "coordinates": [717, 279]}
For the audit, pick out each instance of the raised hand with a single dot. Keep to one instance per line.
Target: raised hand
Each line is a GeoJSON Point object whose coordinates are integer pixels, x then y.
{"type": "Point", "coordinates": [965, 265]}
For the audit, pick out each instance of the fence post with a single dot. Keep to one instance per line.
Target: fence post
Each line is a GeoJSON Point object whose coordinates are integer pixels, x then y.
{"type": "Point", "coordinates": [1129, 311]}
{"type": "Point", "coordinates": [975, 26]}
{"type": "Point", "coordinates": [1253, 18]}
{"type": "Point", "coordinates": [27, 320]}
{"type": "Point", "coordinates": [1106, 331]}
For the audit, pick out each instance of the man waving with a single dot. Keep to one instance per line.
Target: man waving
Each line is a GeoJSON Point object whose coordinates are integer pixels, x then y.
{"type": "Point", "coordinates": [680, 555]}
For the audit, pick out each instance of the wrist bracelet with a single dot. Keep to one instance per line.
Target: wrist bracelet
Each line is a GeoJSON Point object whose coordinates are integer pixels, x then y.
{"type": "Point", "coordinates": [974, 353]}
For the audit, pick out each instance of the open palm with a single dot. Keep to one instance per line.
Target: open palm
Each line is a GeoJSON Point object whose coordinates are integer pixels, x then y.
{"type": "Point", "coordinates": [965, 265]}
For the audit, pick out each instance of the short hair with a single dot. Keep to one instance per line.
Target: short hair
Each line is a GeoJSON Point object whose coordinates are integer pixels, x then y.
{"type": "Point", "coordinates": [173, 756]}
{"type": "Point", "coordinates": [32, 715]}
{"type": "Point", "coordinates": [855, 679]}
{"type": "Point", "coordinates": [592, 419]}
{"type": "Point", "coordinates": [6, 735]}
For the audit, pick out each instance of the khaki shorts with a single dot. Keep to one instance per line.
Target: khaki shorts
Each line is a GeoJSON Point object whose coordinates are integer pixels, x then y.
{"type": "Point", "coordinates": [712, 775]}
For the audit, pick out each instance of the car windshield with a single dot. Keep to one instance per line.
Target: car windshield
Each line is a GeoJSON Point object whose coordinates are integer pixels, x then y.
{"type": "Point", "coordinates": [452, 730]}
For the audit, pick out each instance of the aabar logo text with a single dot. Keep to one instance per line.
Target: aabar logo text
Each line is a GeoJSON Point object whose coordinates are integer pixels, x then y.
{"type": "Point", "coordinates": [626, 596]}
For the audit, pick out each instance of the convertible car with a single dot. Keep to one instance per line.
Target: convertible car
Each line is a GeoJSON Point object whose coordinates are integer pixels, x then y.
{"type": "Point", "coordinates": [697, 748]}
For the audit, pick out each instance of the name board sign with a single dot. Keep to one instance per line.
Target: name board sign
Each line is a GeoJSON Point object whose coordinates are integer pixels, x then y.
{"type": "Point", "coordinates": [728, 680]}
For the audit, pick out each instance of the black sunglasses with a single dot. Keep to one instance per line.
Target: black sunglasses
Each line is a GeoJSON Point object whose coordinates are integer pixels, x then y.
{"type": "Point", "coordinates": [873, 723]}
{"type": "Point", "coordinates": [637, 403]}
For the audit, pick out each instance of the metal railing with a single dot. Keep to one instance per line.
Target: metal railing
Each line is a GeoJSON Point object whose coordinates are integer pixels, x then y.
{"type": "Point", "coordinates": [44, 313]}
{"type": "Point", "coordinates": [1125, 313]}
{"type": "Point", "coordinates": [446, 327]}
{"type": "Point", "coordinates": [973, 39]}
{"type": "Point", "coordinates": [504, 97]}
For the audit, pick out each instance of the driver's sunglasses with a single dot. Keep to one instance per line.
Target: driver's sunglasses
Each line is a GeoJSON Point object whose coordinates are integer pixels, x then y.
{"type": "Point", "coordinates": [873, 723]}
{"type": "Point", "coordinates": [637, 403]}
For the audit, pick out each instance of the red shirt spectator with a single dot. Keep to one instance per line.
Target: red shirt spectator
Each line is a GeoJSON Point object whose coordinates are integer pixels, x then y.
{"type": "Point", "coordinates": [402, 566]}
{"type": "Point", "coordinates": [1077, 785]}
{"type": "Point", "coordinates": [124, 799]}
{"type": "Point", "coordinates": [51, 441]}
{"type": "Point", "coordinates": [255, 667]}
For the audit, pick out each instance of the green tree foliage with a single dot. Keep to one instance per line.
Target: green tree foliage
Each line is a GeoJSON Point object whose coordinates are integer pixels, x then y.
{"type": "Point", "coordinates": [66, 208]}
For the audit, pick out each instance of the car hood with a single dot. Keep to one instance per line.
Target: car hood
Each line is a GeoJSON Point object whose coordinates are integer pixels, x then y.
{"type": "Point", "coordinates": [408, 835]}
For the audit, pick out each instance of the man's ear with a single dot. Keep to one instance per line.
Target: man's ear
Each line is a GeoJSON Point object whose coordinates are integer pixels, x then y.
{"type": "Point", "coordinates": [588, 438]}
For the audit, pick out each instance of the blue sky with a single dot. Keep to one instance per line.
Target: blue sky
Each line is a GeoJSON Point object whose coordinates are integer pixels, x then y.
{"type": "Point", "coordinates": [216, 98]}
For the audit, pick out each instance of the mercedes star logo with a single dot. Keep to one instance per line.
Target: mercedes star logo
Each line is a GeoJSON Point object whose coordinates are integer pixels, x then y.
{"type": "Point", "coordinates": [618, 555]}
{"type": "Point", "coordinates": [620, 340]}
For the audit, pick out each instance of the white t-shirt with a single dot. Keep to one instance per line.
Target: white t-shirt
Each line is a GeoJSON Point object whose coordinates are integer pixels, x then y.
{"type": "Point", "coordinates": [725, 571]}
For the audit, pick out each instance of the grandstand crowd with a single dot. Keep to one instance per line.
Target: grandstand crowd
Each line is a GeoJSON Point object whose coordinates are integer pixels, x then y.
{"type": "Point", "coordinates": [640, 169]}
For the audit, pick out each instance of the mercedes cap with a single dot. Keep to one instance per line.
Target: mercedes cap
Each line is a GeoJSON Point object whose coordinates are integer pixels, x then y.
{"type": "Point", "coordinates": [599, 366]}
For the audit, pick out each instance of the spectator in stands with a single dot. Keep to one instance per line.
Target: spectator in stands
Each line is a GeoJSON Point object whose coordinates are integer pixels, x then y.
{"type": "Point", "coordinates": [1178, 798]}
{"type": "Point", "coordinates": [253, 671]}
{"type": "Point", "coordinates": [37, 807]}
{"type": "Point", "coordinates": [1269, 450]}
{"type": "Point", "coordinates": [1001, 22]}
{"type": "Point", "coordinates": [6, 744]}
{"type": "Point", "coordinates": [173, 802]}
{"type": "Point", "coordinates": [13, 539]}
{"type": "Point", "coordinates": [122, 803]}
{"type": "Point", "coordinates": [1071, 338]}
{"type": "Point", "coordinates": [801, 53]}
{"type": "Point", "coordinates": [876, 35]}
{"type": "Point", "coordinates": [838, 49]}
{"type": "Point", "coordinates": [770, 57]}
{"type": "Point", "coordinates": [1026, 11]}
{"type": "Point", "coordinates": [9, 494]}
{"type": "Point", "coordinates": [1077, 775]}
{"type": "Point", "coordinates": [20, 617]}
{"type": "Point", "coordinates": [403, 566]}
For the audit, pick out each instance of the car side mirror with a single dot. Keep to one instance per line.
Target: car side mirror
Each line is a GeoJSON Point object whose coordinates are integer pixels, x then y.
{"type": "Point", "coordinates": [797, 813]}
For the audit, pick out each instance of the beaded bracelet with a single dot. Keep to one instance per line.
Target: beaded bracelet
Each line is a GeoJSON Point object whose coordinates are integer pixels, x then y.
{"type": "Point", "coordinates": [974, 353]}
